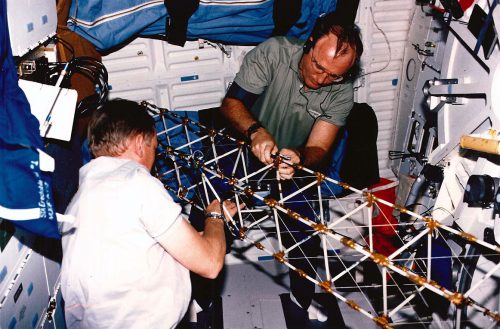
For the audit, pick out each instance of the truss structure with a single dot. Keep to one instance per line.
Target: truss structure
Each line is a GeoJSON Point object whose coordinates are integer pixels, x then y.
{"type": "Point", "coordinates": [197, 164]}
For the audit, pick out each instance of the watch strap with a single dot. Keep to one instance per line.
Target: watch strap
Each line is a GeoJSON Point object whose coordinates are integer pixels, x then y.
{"type": "Point", "coordinates": [253, 128]}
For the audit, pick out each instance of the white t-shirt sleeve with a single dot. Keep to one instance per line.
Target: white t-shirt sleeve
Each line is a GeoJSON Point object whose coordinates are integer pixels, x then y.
{"type": "Point", "coordinates": [159, 212]}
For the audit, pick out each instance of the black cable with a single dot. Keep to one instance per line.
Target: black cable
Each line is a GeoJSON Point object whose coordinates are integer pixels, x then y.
{"type": "Point", "coordinates": [92, 70]}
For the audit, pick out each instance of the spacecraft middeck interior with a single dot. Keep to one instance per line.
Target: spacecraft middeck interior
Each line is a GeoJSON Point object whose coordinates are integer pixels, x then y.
{"type": "Point", "coordinates": [419, 249]}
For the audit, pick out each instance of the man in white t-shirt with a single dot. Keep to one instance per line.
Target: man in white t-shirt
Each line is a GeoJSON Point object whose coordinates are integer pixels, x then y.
{"type": "Point", "coordinates": [127, 249]}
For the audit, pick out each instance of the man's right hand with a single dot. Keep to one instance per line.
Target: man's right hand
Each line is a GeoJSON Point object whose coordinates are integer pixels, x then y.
{"type": "Point", "coordinates": [229, 206]}
{"type": "Point", "coordinates": [263, 145]}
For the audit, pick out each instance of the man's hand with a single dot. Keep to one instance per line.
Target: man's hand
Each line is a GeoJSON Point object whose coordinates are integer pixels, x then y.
{"type": "Point", "coordinates": [286, 171]}
{"type": "Point", "coordinates": [230, 207]}
{"type": "Point", "coordinates": [263, 145]}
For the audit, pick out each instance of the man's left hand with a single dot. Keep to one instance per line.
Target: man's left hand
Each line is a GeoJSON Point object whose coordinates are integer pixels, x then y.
{"type": "Point", "coordinates": [286, 171]}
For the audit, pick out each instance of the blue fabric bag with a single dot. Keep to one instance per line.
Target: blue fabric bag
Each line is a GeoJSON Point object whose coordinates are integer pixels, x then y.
{"type": "Point", "coordinates": [108, 24]}
{"type": "Point", "coordinates": [25, 191]}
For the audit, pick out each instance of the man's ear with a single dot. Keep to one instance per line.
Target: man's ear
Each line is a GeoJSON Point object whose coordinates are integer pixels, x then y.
{"type": "Point", "coordinates": [137, 145]}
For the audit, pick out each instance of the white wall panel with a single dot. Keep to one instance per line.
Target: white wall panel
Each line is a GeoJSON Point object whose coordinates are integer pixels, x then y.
{"type": "Point", "coordinates": [26, 301]}
{"type": "Point", "coordinates": [382, 63]}
{"type": "Point", "coordinates": [12, 254]}
{"type": "Point", "coordinates": [186, 78]}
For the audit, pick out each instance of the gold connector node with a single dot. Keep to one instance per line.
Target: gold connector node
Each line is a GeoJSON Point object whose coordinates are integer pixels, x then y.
{"type": "Point", "coordinates": [401, 209]}
{"type": "Point", "coordinates": [320, 177]}
{"type": "Point", "coordinates": [379, 259]}
{"type": "Point", "coordinates": [348, 242]}
{"type": "Point", "coordinates": [321, 228]}
{"type": "Point", "coordinates": [212, 132]}
{"type": "Point", "coordinates": [270, 202]}
{"type": "Point", "coordinates": [292, 214]}
{"type": "Point", "coordinates": [300, 273]}
{"type": "Point", "coordinates": [232, 181]}
{"type": "Point", "coordinates": [345, 186]}
{"type": "Point", "coordinates": [276, 162]}
{"type": "Point", "coordinates": [382, 321]}
{"type": "Point", "coordinates": [259, 246]}
{"type": "Point", "coordinates": [182, 192]}
{"type": "Point", "coordinates": [185, 121]}
{"type": "Point", "coordinates": [456, 298]}
{"type": "Point", "coordinates": [248, 191]}
{"type": "Point", "coordinates": [280, 256]}
{"type": "Point", "coordinates": [169, 149]}
{"type": "Point", "coordinates": [352, 304]}
{"type": "Point", "coordinates": [370, 198]}
{"type": "Point", "coordinates": [298, 166]}
{"type": "Point", "coordinates": [326, 286]}
{"type": "Point", "coordinates": [417, 279]}
{"type": "Point", "coordinates": [434, 284]}
{"type": "Point", "coordinates": [432, 224]}
{"type": "Point", "coordinates": [243, 232]}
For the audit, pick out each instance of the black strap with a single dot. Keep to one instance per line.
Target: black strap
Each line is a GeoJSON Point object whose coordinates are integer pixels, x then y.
{"type": "Point", "coordinates": [179, 12]}
{"type": "Point", "coordinates": [246, 97]}
{"type": "Point", "coordinates": [253, 128]}
{"type": "Point", "coordinates": [285, 14]}
{"type": "Point", "coordinates": [360, 165]}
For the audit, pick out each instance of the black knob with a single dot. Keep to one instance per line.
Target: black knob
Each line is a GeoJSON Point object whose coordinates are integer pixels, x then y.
{"type": "Point", "coordinates": [480, 190]}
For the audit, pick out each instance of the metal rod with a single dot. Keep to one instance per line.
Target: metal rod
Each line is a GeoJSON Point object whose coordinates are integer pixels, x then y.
{"type": "Point", "coordinates": [409, 243]}
{"type": "Point", "coordinates": [485, 277]}
{"type": "Point", "coordinates": [349, 214]}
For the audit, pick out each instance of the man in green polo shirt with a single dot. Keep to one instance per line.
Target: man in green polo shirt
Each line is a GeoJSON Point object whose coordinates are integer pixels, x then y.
{"type": "Point", "coordinates": [292, 97]}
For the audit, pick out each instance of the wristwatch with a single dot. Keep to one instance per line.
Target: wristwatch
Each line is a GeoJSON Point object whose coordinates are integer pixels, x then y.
{"type": "Point", "coordinates": [214, 215]}
{"type": "Point", "coordinates": [253, 128]}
